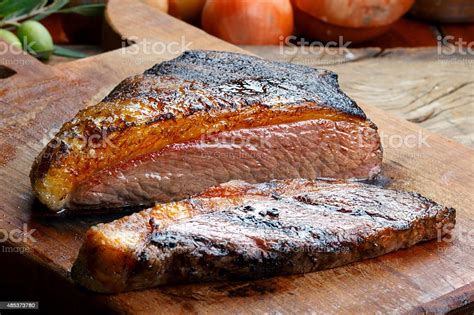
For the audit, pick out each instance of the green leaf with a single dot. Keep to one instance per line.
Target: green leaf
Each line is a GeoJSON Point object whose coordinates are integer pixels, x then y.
{"type": "Point", "coordinates": [54, 7]}
{"type": "Point", "coordinates": [95, 9]}
{"type": "Point", "coordinates": [66, 52]}
{"type": "Point", "coordinates": [13, 8]}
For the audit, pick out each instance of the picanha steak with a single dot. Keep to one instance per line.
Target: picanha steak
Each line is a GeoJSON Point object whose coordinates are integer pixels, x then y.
{"type": "Point", "coordinates": [203, 119]}
{"type": "Point", "coordinates": [246, 231]}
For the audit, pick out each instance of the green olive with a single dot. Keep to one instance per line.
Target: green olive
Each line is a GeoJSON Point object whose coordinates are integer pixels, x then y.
{"type": "Point", "coordinates": [35, 37]}
{"type": "Point", "coordinates": [10, 38]}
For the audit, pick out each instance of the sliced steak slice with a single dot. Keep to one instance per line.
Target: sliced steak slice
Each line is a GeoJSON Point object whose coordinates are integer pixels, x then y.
{"type": "Point", "coordinates": [153, 128]}
{"type": "Point", "coordinates": [307, 149]}
{"type": "Point", "coordinates": [248, 231]}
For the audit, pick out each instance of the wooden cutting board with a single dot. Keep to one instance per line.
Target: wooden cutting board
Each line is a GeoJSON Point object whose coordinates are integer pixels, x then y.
{"type": "Point", "coordinates": [433, 277]}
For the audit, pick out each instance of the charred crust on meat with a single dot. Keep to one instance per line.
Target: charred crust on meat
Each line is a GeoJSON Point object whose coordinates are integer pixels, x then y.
{"type": "Point", "coordinates": [232, 73]}
{"type": "Point", "coordinates": [248, 208]}
{"type": "Point", "coordinates": [273, 212]}
{"type": "Point", "coordinates": [164, 239]}
{"type": "Point", "coordinates": [275, 195]}
{"type": "Point", "coordinates": [154, 224]}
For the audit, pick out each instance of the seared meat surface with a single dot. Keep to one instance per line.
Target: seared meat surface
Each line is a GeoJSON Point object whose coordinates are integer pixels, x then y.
{"type": "Point", "coordinates": [199, 120]}
{"type": "Point", "coordinates": [247, 231]}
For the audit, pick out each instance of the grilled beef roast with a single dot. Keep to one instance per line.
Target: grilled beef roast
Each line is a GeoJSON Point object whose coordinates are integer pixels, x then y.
{"type": "Point", "coordinates": [247, 231]}
{"type": "Point", "coordinates": [202, 119]}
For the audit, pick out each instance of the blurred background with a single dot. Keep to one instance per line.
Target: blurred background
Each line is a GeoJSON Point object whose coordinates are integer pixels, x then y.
{"type": "Point", "coordinates": [63, 30]}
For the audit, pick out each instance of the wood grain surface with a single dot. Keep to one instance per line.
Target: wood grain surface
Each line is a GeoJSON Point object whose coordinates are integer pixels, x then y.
{"type": "Point", "coordinates": [432, 277]}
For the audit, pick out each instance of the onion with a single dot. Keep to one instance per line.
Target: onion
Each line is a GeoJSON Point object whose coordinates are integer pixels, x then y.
{"type": "Point", "coordinates": [248, 22]}
{"type": "Point", "coordinates": [312, 28]}
{"type": "Point", "coordinates": [360, 13]}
